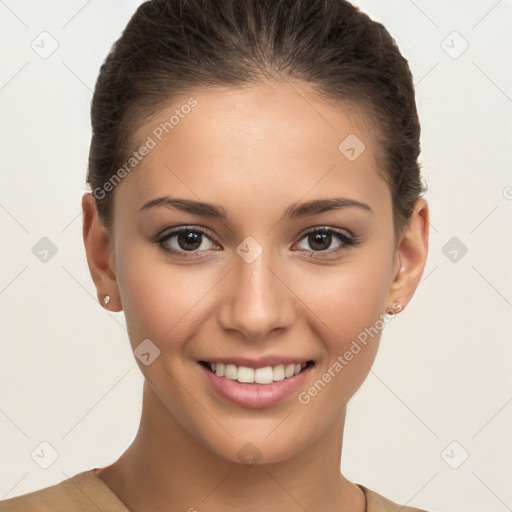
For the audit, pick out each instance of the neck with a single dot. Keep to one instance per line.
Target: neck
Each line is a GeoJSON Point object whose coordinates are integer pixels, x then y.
{"type": "Point", "coordinates": [166, 466]}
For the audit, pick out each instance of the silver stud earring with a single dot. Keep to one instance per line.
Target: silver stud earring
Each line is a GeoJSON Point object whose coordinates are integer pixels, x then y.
{"type": "Point", "coordinates": [106, 300]}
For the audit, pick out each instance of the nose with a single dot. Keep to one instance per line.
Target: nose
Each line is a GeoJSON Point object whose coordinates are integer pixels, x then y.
{"type": "Point", "coordinates": [257, 299]}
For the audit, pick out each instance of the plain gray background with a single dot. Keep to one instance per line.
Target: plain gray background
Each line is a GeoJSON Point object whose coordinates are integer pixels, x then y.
{"type": "Point", "coordinates": [440, 389]}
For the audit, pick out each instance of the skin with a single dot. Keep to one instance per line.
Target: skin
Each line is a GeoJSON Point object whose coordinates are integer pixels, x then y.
{"type": "Point", "coordinates": [254, 151]}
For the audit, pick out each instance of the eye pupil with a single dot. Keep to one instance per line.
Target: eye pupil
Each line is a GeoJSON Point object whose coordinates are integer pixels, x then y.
{"type": "Point", "coordinates": [189, 237]}
{"type": "Point", "coordinates": [319, 238]}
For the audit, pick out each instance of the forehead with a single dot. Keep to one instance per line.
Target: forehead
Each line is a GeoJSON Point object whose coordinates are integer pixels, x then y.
{"type": "Point", "coordinates": [275, 141]}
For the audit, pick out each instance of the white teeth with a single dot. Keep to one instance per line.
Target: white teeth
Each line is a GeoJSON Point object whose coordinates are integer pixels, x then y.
{"type": "Point", "coordinates": [230, 372]}
{"type": "Point", "coordinates": [265, 375]}
{"type": "Point", "coordinates": [245, 374]}
{"type": "Point", "coordinates": [278, 372]}
{"type": "Point", "coordinates": [288, 371]}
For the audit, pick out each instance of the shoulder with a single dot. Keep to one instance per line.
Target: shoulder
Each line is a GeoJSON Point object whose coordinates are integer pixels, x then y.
{"type": "Point", "coordinates": [375, 502]}
{"type": "Point", "coordinates": [84, 492]}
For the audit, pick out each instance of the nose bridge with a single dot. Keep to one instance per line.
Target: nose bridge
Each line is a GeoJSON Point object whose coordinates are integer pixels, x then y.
{"type": "Point", "coordinates": [257, 300]}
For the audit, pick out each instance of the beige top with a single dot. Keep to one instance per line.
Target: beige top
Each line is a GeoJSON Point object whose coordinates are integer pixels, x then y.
{"type": "Point", "coordinates": [87, 492]}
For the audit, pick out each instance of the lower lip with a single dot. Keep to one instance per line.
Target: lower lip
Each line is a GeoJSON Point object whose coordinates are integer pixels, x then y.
{"type": "Point", "coordinates": [255, 396]}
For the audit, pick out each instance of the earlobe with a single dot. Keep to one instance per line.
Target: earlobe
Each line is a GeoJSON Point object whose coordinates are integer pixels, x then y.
{"type": "Point", "coordinates": [99, 252]}
{"type": "Point", "coordinates": [412, 251]}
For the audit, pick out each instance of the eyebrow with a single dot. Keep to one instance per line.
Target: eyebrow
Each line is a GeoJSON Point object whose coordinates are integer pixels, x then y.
{"type": "Point", "coordinates": [294, 211]}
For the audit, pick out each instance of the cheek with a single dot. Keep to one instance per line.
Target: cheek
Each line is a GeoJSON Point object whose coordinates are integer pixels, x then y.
{"type": "Point", "coordinates": [161, 302]}
{"type": "Point", "coordinates": [347, 309]}
{"type": "Point", "coordinates": [346, 300]}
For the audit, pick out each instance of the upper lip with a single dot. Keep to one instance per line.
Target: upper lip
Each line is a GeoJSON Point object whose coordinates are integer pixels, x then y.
{"type": "Point", "coordinates": [260, 362]}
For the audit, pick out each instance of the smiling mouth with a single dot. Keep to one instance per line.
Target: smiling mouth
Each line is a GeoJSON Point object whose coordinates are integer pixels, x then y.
{"type": "Point", "coordinates": [265, 375]}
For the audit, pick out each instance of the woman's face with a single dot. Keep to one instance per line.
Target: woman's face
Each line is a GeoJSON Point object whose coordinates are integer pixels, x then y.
{"type": "Point", "coordinates": [256, 287]}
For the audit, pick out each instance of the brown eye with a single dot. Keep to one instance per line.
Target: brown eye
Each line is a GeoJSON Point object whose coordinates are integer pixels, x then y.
{"type": "Point", "coordinates": [189, 241]}
{"type": "Point", "coordinates": [320, 240]}
{"type": "Point", "coordinates": [186, 242]}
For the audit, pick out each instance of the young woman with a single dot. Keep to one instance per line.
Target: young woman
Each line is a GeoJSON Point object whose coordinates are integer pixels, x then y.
{"type": "Point", "coordinates": [256, 211]}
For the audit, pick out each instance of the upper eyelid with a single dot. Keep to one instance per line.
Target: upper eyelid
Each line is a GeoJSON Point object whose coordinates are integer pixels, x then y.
{"type": "Point", "coordinates": [338, 231]}
{"type": "Point", "coordinates": [176, 231]}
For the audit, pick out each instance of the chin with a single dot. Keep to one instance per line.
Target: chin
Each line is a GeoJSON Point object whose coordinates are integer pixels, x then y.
{"type": "Point", "coordinates": [257, 449]}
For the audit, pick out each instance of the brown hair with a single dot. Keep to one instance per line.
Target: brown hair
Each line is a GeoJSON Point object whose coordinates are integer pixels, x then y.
{"type": "Point", "coordinates": [171, 47]}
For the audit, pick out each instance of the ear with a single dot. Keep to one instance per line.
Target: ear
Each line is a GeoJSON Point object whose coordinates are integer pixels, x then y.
{"type": "Point", "coordinates": [411, 256]}
{"type": "Point", "coordinates": [100, 254]}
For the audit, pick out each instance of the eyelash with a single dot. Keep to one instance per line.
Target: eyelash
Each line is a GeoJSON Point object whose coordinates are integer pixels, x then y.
{"type": "Point", "coordinates": [346, 240]}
